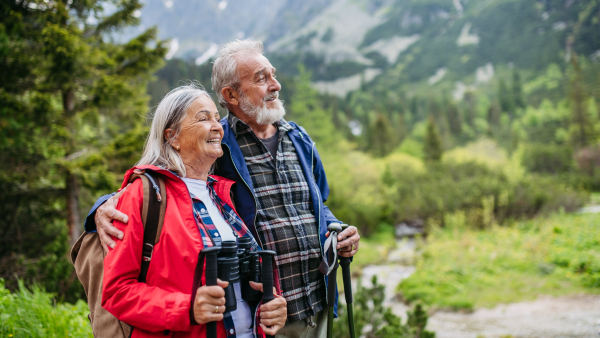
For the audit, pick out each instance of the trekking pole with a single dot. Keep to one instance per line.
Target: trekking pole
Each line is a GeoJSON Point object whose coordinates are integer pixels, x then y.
{"type": "Point", "coordinates": [267, 276]}
{"type": "Point", "coordinates": [345, 263]}
{"type": "Point", "coordinates": [334, 229]}
{"type": "Point", "coordinates": [211, 280]}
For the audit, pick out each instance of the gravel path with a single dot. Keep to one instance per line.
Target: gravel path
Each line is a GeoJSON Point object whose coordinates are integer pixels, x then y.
{"type": "Point", "coordinates": [576, 316]}
{"type": "Point", "coordinates": [547, 317]}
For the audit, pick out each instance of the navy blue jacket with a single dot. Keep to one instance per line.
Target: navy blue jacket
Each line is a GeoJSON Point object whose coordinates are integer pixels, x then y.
{"type": "Point", "coordinates": [233, 166]}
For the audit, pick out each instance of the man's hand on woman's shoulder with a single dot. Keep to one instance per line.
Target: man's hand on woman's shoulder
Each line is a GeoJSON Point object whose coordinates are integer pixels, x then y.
{"type": "Point", "coordinates": [105, 214]}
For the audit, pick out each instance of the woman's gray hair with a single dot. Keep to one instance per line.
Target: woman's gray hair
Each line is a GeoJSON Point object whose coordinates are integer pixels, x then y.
{"type": "Point", "coordinates": [171, 111]}
{"type": "Point", "coordinates": [225, 66]}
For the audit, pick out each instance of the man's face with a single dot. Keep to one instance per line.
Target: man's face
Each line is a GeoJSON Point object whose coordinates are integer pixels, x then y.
{"type": "Point", "coordinates": [259, 90]}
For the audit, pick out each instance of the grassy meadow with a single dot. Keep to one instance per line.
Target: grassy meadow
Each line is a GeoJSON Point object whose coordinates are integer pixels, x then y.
{"type": "Point", "coordinates": [462, 268]}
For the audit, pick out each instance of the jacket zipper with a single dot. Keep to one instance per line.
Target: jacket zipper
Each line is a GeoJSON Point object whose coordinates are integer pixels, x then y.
{"type": "Point", "coordinates": [312, 153]}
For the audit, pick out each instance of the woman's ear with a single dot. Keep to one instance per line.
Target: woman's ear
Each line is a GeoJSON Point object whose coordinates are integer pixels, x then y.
{"type": "Point", "coordinates": [169, 136]}
{"type": "Point", "coordinates": [230, 95]}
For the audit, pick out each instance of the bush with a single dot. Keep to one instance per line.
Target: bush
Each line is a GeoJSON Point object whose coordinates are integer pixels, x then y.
{"type": "Point", "coordinates": [34, 313]}
{"type": "Point", "coordinates": [548, 158]}
{"type": "Point", "coordinates": [479, 179]}
{"type": "Point", "coordinates": [377, 321]}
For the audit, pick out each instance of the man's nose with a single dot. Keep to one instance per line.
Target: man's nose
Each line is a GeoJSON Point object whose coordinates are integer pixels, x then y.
{"type": "Point", "coordinates": [274, 86]}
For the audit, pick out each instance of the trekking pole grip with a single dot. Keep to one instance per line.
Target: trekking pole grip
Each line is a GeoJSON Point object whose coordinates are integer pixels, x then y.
{"type": "Point", "coordinates": [345, 263]}
{"type": "Point", "coordinates": [267, 276]}
{"type": "Point", "coordinates": [334, 229]}
{"type": "Point", "coordinates": [211, 280]}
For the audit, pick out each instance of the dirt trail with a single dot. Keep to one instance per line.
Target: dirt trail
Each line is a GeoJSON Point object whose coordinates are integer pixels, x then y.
{"type": "Point", "coordinates": [547, 317]}
{"type": "Point", "coordinates": [576, 316]}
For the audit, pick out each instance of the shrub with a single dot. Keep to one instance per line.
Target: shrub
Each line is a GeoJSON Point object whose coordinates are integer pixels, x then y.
{"type": "Point", "coordinates": [377, 321]}
{"type": "Point", "coordinates": [479, 179]}
{"type": "Point", "coordinates": [548, 158]}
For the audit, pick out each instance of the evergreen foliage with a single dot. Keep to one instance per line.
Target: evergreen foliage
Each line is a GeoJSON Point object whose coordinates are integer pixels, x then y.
{"type": "Point", "coordinates": [505, 98]}
{"type": "Point", "coordinates": [67, 92]}
{"type": "Point", "coordinates": [433, 143]}
{"type": "Point", "coordinates": [381, 136]}
{"type": "Point", "coordinates": [582, 130]}
{"type": "Point", "coordinates": [517, 90]}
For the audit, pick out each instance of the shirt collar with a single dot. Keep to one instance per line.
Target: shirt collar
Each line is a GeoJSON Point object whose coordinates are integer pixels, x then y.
{"type": "Point", "coordinates": [238, 125]}
{"type": "Point", "coordinates": [210, 182]}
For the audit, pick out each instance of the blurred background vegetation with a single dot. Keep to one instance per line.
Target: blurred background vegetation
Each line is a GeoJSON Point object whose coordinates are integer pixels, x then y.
{"type": "Point", "coordinates": [462, 117]}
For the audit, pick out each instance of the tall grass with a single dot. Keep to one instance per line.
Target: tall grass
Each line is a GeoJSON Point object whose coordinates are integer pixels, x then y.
{"type": "Point", "coordinates": [34, 313]}
{"type": "Point", "coordinates": [462, 268]}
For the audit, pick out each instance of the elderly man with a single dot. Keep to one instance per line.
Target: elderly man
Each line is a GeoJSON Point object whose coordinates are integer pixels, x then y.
{"type": "Point", "coordinates": [281, 185]}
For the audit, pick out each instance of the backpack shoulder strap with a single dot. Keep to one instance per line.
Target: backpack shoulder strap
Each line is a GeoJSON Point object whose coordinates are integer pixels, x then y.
{"type": "Point", "coordinates": [153, 214]}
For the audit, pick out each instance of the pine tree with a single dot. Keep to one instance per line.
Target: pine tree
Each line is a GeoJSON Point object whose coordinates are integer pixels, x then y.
{"type": "Point", "coordinates": [581, 128]}
{"type": "Point", "coordinates": [307, 110]}
{"type": "Point", "coordinates": [433, 143]}
{"type": "Point", "coordinates": [471, 110]}
{"type": "Point", "coordinates": [68, 94]}
{"type": "Point", "coordinates": [381, 136]}
{"type": "Point", "coordinates": [494, 114]}
{"type": "Point", "coordinates": [454, 118]}
{"type": "Point", "coordinates": [505, 97]}
{"type": "Point", "coordinates": [517, 90]}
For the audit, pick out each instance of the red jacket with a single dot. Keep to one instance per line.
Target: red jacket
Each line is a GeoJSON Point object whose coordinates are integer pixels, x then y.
{"type": "Point", "coordinates": [163, 302]}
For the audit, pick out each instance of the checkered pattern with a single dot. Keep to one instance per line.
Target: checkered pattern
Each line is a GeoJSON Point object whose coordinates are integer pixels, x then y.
{"type": "Point", "coordinates": [208, 231]}
{"type": "Point", "coordinates": [211, 237]}
{"type": "Point", "coordinates": [285, 219]}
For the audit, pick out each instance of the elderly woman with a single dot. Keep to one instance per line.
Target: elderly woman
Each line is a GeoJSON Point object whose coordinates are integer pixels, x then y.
{"type": "Point", "coordinates": [184, 142]}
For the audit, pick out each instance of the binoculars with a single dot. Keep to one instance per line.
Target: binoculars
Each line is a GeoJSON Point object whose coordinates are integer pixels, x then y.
{"type": "Point", "coordinates": [236, 263]}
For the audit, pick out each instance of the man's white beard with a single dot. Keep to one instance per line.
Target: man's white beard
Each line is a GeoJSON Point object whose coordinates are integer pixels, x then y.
{"type": "Point", "coordinates": [262, 114]}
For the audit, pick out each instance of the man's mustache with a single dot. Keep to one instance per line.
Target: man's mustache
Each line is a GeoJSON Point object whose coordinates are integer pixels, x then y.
{"type": "Point", "coordinates": [273, 95]}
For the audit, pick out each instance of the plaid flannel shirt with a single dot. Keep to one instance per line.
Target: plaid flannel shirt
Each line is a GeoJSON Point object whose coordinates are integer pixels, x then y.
{"type": "Point", "coordinates": [285, 218]}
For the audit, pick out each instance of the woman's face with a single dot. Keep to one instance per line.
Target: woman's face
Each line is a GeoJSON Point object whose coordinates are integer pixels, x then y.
{"type": "Point", "coordinates": [201, 133]}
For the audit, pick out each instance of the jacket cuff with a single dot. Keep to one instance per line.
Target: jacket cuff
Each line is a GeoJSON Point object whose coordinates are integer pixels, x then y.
{"type": "Point", "coordinates": [178, 318]}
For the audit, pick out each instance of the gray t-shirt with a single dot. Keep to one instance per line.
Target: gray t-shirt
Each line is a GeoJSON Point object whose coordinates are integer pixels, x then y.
{"type": "Point", "coordinates": [271, 143]}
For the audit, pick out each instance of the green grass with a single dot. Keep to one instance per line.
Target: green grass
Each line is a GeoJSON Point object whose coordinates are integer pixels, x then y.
{"type": "Point", "coordinates": [33, 314]}
{"type": "Point", "coordinates": [594, 198]}
{"type": "Point", "coordinates": [462, 269]}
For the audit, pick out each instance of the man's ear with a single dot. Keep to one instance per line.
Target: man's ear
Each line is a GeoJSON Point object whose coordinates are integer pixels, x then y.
{"type": "Point", "coordinates": [231, 96]}
{"type": "Point", "coordinates": [169, 136]}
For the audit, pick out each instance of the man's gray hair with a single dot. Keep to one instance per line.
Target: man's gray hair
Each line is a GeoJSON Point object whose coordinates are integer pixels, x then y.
{"type": "Point", "coordinates": [225, 66]}
{"type": "Point", "coordinates": [170, 113]}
